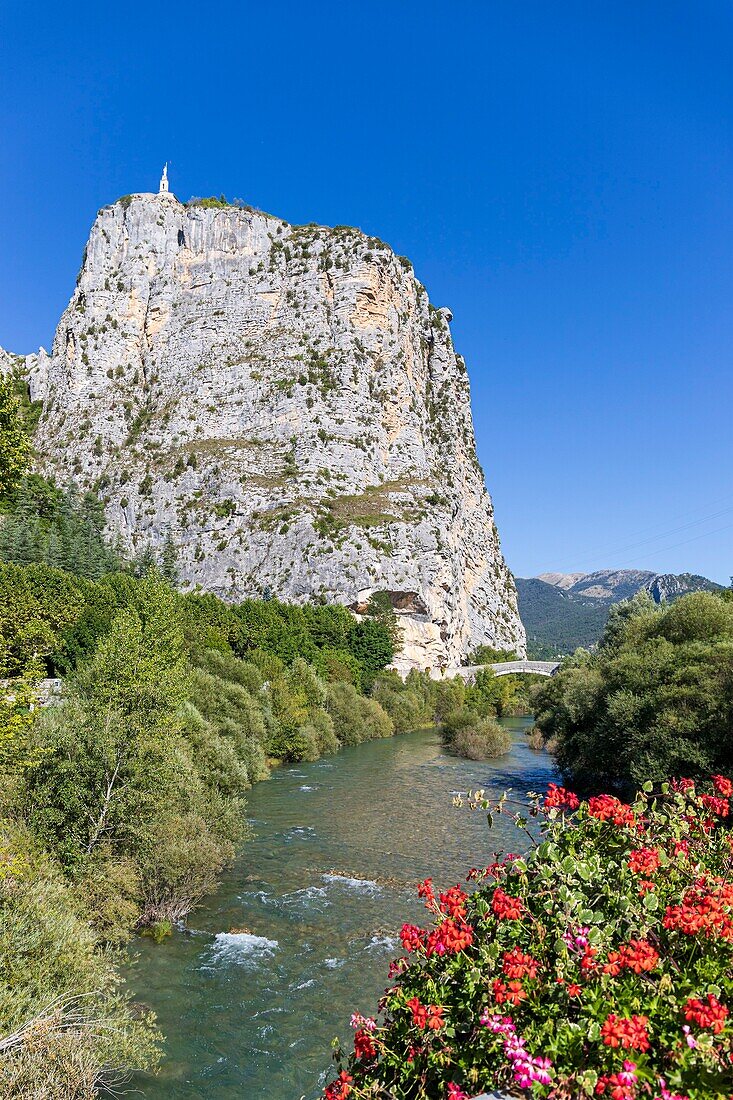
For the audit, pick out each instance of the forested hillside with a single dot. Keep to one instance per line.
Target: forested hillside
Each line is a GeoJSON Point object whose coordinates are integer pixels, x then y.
{"type": "Point", "coordinates": [564, 611]}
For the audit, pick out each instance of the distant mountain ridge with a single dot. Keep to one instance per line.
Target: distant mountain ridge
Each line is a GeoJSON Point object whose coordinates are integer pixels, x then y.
{"type": "Point", "coordinates": [562, 611]}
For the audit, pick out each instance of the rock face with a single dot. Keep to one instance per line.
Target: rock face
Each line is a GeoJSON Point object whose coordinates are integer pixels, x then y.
{"type": "Point", "coordinates": [612, 585]}
{"type": "Point", "coordinates": [284, 401]}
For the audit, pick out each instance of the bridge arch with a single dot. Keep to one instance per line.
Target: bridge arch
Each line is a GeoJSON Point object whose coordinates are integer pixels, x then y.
{"type": "Point", "coordinates": [504, 668]}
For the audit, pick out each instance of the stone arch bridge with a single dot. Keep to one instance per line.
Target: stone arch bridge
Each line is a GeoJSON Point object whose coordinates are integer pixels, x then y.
{"type": "Point", "coordinates": [505, 668]}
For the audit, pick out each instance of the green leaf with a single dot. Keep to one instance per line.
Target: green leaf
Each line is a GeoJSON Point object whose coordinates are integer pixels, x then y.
{"type": "Point", "coordinates": [650, 902]}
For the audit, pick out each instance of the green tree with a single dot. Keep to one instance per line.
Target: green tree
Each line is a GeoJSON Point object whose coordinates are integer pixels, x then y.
{"type": "Point", "coordinates": [14, 443]}
{"type": "Point", "coordinates": [467, 733]}
{"type": "Point", "coordinates": [654, 701]}
{"type": "Point", "coordinates": [372, 645]}
{"type": "Point", "coordinates": [109, 754]}
{"type": "Point", "coordinates": [169, 560]}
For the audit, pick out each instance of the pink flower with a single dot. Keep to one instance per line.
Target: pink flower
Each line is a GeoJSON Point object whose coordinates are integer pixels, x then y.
{"type": "Point", "coordinates": [627, 1076]}
{"type": "Point", "coordinates": [689, 1037]}
{"type": "Point", "coordinates": [456, 1093]}
{"type": "Point", "coordinates": [576, 941]}
{"type": "Point", "coordinates": [665, 1094]}
{"type": "Point", "coordinates": [527, 1070]}
{"type": "Point", "coordinates": [362, 1023]}
{"type": "Point", "coordinates": [500, 1025]}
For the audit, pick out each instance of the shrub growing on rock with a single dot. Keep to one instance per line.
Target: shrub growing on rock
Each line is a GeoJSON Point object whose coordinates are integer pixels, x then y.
{"type": "Point", "coordinates": [599, 964]}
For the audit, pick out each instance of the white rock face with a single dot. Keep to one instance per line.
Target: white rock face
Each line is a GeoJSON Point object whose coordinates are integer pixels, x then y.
{"type": "Point", "coordinates": [285, 401]}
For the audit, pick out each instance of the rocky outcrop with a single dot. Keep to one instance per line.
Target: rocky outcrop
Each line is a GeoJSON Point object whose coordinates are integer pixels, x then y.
{"type": "Point", "coordinates": [667, 587]}
{"type": "Point", "coordinates": [284, 401]}
{"type": "Point", "coordinates": [613, 585]}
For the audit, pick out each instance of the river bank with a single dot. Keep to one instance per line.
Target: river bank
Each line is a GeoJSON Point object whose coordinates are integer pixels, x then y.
{"type": "Point", "coordinates": [316, 897]}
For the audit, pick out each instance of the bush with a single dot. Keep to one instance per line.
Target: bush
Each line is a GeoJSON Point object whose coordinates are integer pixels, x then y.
{"type": "Point", "coordinates": [408, 703]}
{"type": "Point", "coordinates": [355, 719]}
{"type": "Point", "coordinates": [466, 733]}
{"type": "Point", "coordinates": [600, 964]}
{"type": "Point", "coordinates": [65, 1027]}
{"type": "Point", "coordinates": [655, 701]}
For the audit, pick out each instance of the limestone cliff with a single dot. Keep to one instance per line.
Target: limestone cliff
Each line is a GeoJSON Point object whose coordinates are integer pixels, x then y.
{"type": "Point", "coordinates": [284, 401]}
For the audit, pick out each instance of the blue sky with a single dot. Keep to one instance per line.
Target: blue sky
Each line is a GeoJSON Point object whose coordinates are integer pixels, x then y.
{"type": "Point", "coordinates": [560, 174]}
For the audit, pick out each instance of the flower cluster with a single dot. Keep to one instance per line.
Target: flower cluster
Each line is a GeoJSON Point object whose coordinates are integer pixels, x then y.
{"type": "Point", "coordinates": [703, 910]}
{"type": "Point", "coordinates": [719, 806]}
{"type": "Point", "coordinates": [608, 808]}
{"type": "Point", "coordinates": [644, 861]}
{"type": "Point", "coordinates": [610, 939]}
{"type": "Point", "coordinates": [709, 1013]}
{"type": "Point", "coordinates": [636, 955]}
{"type": "Point", "coordinates": [557, 798]}
{"type": "Point", "coordinates": [526, 1070]}
{"type": "Point", "coordinates": [620, 1085]}
{"type": "Point", "coordinates": [628, 1032]}
{"type": "Point", "coordinates": [423, 1016]}
{"type": "Point", "coordinates": [506, 907]}
{"type": "Point", "coordinates": [340, 1088]}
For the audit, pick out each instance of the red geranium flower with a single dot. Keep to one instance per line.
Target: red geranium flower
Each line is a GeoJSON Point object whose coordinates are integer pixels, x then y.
{"type": "Point", "coordinates": [419, 1012]}
{"type": "Point", "coordinates": [628, 1032]}
{"type": "Point", "coordinates": [638, 955]}
{"type": "Point", "coordinates": [559, 798]}
{"type": "Point", "coordinates": [435, 1019]}
{"type": "Point", "coordinates": [613, 964]}
{"type": "Point", "coordinates": [508, 992]}
{"type": "Point", "coordinates": [423, 1016]}
{"type": "Point", "coordinates": [425, 890]}
{"type": "Point", "coordinates": [723, 786]}
{"type": "Point", "coordinates": [516, 964]}
{"type": "Point", "coordinates": [340, 1088]}
{"type": "Point", "coordinates": [608, 808]}
{"type": "Point", "coordinates": [719, 806]}
{"type": "Point", "coordinates": [709, 1013]}
{"type": "Point", "coordinates": [364, 1044]}
{"type": "Point", "coordinates": [644, 861]}
{"type": "Point", "coordinates": [506, 907]}
{"type": "Point", "coordinates": [453, 902]}
{"type": "Point", "coordinates": [412, 937]}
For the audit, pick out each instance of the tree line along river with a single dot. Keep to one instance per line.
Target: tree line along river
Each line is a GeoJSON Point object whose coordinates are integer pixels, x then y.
{"type": "Point", "coordinates": [302, 928]}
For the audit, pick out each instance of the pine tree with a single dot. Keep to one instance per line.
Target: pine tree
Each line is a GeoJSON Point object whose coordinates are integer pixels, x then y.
{"type": "Point", "coordinates": [29, 543]}
{"type": "Point", "coordinates": [54, 548]}
{"type": "Point", "coordinates": [144, 562]}
{"type": "Point", "coordinates": [169, 561]}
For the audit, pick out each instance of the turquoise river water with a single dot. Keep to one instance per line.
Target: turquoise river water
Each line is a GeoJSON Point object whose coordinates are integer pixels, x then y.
{"type": "Point", "coordinates": [320, 890]}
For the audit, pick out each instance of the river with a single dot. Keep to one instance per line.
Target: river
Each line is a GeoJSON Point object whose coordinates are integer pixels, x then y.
{"type": "Point", "coordinates": [250, 1015]}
